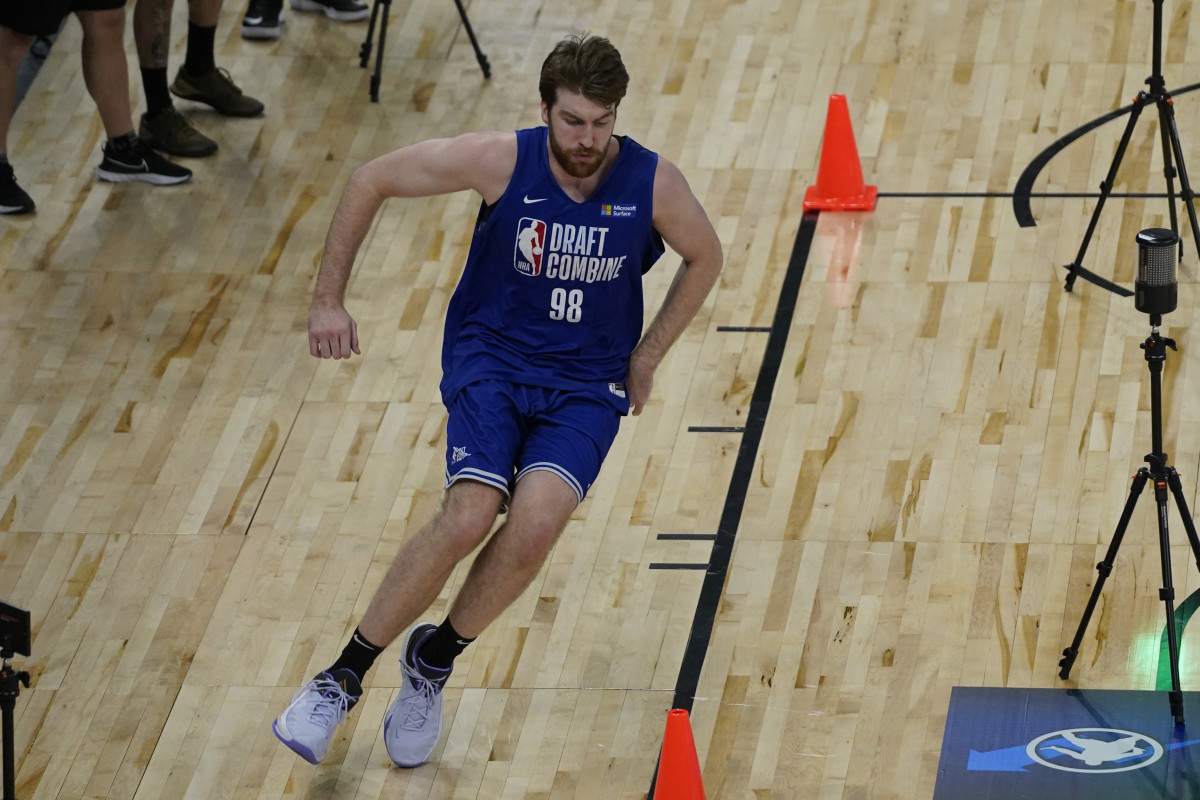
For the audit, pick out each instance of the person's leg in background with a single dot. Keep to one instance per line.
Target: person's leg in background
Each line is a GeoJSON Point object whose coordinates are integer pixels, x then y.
{"type": "Point", "coordinates": [13, 47]}
{"type": "Point", "coordinates": [106, 74]}
{"type": "Point", "coordinates": [264, 18]}
{"type": "Point", "coordinates": [39, 51]}
{"type": "Point", "coordinates": [162, 126]}
{"type": "Point", "coordinates": [200, 79]}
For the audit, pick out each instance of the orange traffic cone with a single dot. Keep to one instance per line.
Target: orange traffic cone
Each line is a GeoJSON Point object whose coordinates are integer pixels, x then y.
{"type": "Point", "coordinates": [679, 766]}
{"type": "Point", "coordinates": [839, 176]}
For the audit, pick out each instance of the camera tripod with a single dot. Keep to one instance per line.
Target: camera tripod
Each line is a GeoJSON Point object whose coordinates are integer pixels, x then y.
{"type": "Point", "coordinates": [10, 688]}
{"type": "Point", "coordinates": [1164, 477]}
{"type": "Point", "coordinates": [14, 638]}
{"type": "Point", "coordinates": [1161, 98]}
{"type": "Point", "coordinates": [364, 53]}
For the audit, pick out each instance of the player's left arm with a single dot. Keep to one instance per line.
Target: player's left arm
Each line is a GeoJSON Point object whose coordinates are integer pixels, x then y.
{"type": "Point", "coordinates": [680, 220]}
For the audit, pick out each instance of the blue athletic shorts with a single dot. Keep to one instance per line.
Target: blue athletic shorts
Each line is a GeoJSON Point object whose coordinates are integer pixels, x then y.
{"type": "Point", "coordinates": [499, 431]}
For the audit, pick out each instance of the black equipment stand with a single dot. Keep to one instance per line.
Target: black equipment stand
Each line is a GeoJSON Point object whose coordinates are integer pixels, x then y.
{"type": "Point", "coordinates": [1159, 96]}
{"type": "Point", "coordinates": [10, 689]}
{"type": "Point", "coordinates": [364, 54]}
{"type": "Point", "coordinates": [1164, 477]}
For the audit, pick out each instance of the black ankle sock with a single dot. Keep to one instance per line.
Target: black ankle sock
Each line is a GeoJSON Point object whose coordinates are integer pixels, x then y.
{"type": "Point", "coordinates": [122, 144]}
{"type": "Point", "coordinates": [358, 656]}
{"type": "Point", "coordinates": [442, 647]}
{"type": "Point", "coordinates": [154, 83]}
{"type": "Point", "coordinates": [200, 43]}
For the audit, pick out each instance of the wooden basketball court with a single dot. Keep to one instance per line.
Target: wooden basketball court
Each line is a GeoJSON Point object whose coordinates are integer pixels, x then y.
{"type": "Point", "coordinates": [196, 512]}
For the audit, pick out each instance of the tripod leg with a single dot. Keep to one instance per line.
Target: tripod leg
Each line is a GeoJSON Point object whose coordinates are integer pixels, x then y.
{"type": "Point", "coordinates": [1189, 524]}
{"type": "Point", "coordinates": [377, 78]}
{"type": "Point", "coordinates": [7, 704]}
{"type": "Point", "coordinates": [479, 56]}
{"type": "Point", "coordinates": [1185, 186]}
{"type": "Point", "coordinates": [1165, 114]}
{"type": "Point", "coordinates": [364, 52]}
{"type": "Point", "coordinates": [10, 688]}
{"type": "Point", "coordinates": [1105, 189]}
{"type": "Point", "coordinates": [1103, 569]}
{"type": "Point", "coordinates": [1167, 595]}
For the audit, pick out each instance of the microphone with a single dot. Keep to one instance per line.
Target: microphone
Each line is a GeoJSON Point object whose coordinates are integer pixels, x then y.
{"type": "Point", "coordinates": [1156, 289]}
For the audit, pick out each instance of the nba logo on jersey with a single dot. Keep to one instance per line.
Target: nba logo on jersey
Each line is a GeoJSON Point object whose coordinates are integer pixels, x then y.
{"type": "Point", "coordinates": [531, 240]}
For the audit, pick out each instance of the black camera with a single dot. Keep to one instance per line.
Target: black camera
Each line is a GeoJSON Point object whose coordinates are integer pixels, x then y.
{"type": "Point", "coordinates": [14, 630]}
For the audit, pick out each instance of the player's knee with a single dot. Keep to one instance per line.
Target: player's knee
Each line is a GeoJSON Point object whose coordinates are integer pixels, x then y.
{"type": "Point", "coordinates": [461, 540]}
{"type": "Point", "coordinates": [535, 537]}
{"type": "Point", "coordinates": [463, 525]}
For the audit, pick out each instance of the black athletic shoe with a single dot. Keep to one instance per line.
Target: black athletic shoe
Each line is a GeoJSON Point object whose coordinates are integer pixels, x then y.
{"type": "Point", "coordinates": [140, 163]}
{"type": "Point", "coordinates": [216, 89]}
{"type": "Point", "coordinates": [341, 10]}
{"type": "Point", "coordinates": [170, 132]}
{"type": "Point", "coordinates": [13, 199]}
{"type": "Point", "coordinates": [263, 20]}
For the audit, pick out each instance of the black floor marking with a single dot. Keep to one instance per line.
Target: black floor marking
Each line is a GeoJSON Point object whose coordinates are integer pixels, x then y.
{"type": "Point", "coordinates": [743, 468]}
{"type": "Point", "coordinates": [715, 429]}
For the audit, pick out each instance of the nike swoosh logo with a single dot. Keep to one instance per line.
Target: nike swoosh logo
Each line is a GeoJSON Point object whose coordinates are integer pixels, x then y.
{"type": "Point", "coordinates": [142, 167]}
{"type": "Point", "coordinates": [530, 202]}
{"type": "Point", "coordinates": [254, 20]}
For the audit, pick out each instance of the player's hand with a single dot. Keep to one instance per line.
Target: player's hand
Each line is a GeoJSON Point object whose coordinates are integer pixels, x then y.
{"type": "Point", "coordinates": [639, 381]}
{"type": "Point", "coordinates": [332, 332]}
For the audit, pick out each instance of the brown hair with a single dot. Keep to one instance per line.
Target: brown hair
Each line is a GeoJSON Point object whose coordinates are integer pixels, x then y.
{"type": "Point", "coordinates": [587, 65]}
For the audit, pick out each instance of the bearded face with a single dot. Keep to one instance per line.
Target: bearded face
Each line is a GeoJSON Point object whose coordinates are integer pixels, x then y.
{"type": "Point", "coordinates": [580, 161]}
{"type": "Point", "coordinates": [580, 133]}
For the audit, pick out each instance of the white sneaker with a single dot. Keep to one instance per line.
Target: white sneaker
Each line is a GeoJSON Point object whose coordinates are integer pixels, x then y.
{"type": "Point", "coordinates": [414, 721]}
{"type": "Point", "coordinates": [307, 725]}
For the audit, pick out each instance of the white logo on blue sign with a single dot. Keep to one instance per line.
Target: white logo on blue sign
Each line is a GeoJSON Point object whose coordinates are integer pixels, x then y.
{"type": "Point", "coordinates": [1094, 750]}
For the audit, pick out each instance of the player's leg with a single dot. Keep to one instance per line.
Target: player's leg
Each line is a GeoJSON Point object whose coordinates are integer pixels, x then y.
{"type": "Point", "coordinates": [540, 507]}
{"type": "Point", "coordinates": [483, 434]}
{"type": "Point", "coordinates": [567, 437]}
{"type": "Point", "coordinates": [413, 581]}
{"type": "Point", "coordinates": [425, 562]}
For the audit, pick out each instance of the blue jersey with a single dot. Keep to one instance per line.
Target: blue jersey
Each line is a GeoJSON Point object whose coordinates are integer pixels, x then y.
{"type": "Point", "coordinates": [551, 294]}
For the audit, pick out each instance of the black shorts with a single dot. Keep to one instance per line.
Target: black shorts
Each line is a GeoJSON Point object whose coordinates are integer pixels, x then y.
{"type": "Point", "coordinates": [43, 17]}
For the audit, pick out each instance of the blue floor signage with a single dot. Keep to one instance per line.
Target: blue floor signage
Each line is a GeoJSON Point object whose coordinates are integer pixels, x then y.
{"type": "Point", "coordinates": [1055, 744]}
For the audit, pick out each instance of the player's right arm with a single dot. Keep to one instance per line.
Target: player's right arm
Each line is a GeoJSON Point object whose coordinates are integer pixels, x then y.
{"type": "Point", "coordinates": [482, 161]}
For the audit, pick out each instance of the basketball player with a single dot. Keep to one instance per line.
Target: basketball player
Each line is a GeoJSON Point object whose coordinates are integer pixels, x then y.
{"type": "Point", "coordinates": [543, 354]}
